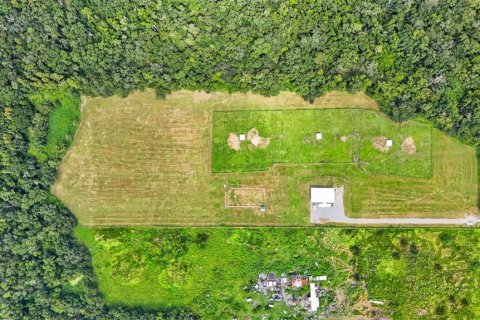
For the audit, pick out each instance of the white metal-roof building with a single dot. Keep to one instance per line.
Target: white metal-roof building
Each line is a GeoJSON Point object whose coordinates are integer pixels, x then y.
{"type": "Point", "coordinates": [322, 197]}
{"type": "Point", "coordinates": [314, 301]}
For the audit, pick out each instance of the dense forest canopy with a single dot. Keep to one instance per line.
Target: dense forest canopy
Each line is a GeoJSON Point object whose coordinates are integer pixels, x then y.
{"type": "Point", "coordinates": [417, 58]}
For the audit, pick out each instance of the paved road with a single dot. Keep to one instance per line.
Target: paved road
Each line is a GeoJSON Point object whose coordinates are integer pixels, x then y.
{"type": "Point", "coordinates": [336, 214]}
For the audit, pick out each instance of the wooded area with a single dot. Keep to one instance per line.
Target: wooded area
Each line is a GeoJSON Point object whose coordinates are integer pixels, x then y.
{"type": "Point", "coordinates": [418, 59]}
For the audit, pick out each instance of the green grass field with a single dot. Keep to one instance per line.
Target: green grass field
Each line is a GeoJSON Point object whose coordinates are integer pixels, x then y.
{"type": "Point", "coordinates": [292, 140]}
{"type": "Point", "coordinates": [422, 273]}
{"type": "Point", "coordinates": [144, 161]}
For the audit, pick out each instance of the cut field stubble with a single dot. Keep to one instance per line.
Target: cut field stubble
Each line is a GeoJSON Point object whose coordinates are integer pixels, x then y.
{"type": "Point", "coordinates": [143, 161]}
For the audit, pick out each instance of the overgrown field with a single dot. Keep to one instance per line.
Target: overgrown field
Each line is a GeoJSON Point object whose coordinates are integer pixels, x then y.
{"type": "Point", "coordinates": [422, 273]}
{"type": "Point", "coordinates": [61, 106]}
{"type": "Point", "coordinates": [140, 160]}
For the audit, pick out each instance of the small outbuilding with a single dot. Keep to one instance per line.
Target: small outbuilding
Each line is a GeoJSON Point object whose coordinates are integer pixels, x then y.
{"type": "Point", "coordinates": [322, 197]}
{"type": "Point", "coordinates": [242, 137]}
{"type": "Point", "coordinates": [262, 208]}
{"type": "Point", "coordinates": [389, 143]}
{"type": "Point", "coordinates": [314, 301]}
{"type": "Point", "coordinates": [318, 136]}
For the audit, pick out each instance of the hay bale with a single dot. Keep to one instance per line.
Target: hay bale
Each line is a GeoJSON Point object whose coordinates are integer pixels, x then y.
{"type": "Point", "coordinates": [255, 139]}
{"type": "Point", "coordinates": [380, 143]}
{"type": "Point", "coordinates": [408, 145]}
{"type": "Point", "coordinates": [233, 142]}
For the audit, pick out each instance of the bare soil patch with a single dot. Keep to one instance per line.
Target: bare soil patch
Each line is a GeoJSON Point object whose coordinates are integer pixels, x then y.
{"type": "Point", "coordinates": [254, 137]}
{"type": "Point", "coordinates": [344, 138]}
{"type": "Point", "coordinates": [233, 142]}
{"type": "Point", "coordinates": [408, 145]}
{"type": "Point", "coordinates": [380, 143]}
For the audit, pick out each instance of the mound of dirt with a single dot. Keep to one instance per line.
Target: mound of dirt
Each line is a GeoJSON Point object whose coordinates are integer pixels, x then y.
{"type": "Point", "coordinates": [254, 137]}
{"type": "Point", "coordinates": [344, 138]}
{"type": "Point", "coordinates": [233, 141]}
{"type": "Point", "coordinates": [380, 143]}
{"type": "Point", "coordinates": [408, 145]}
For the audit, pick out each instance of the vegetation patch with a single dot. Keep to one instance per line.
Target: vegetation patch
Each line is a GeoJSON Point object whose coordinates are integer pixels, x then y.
{"type": "Point", "coordinates": [383, 273]}
{"type": "Point", "coordinates": [60, 109]}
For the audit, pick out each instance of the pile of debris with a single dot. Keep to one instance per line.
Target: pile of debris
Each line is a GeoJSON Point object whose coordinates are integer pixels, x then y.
{"type": "Point", "coordinates": [276, 287]}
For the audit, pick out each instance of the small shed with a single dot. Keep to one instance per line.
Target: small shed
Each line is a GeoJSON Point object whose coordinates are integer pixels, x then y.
{"type": "Point", "coordinates": [242, 137]}
{"type": "Point", "coordinates": [318, 136]}
{"type": "Point", "coordinates": [262, 208]}
{"type": "Point", "coordinates": [389, 143]}
{"type": "Point", "coordinates": [323, 197]}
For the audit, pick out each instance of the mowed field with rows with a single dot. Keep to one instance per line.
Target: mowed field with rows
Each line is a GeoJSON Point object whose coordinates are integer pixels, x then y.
{"type": "Point", "coordinates": [145, 161]}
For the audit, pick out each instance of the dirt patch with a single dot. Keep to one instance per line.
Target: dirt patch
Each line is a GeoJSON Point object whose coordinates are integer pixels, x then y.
{"type": "Point", "coordinates": [340, 297]}
{"type": "Point", "coordinates": [422, 313]}
{"type": "Point", "coordinates": [363, 307]}
{"type": "Point", "coordinates": [380, 143]}
{"type": "Point", "coordinates": [233, 141]}
{"type": "Point", "coordinates": [254, 137]}
{"type": "Point", "coordinates": [408, 145]}
{"type": "Point", "coordinates": [344, 138]}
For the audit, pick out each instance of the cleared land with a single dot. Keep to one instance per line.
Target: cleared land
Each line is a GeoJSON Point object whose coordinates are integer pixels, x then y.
{"type": "Point", "coordinates": [142, 161]}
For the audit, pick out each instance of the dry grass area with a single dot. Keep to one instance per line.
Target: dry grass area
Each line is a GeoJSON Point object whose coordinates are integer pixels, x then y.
{"type": "Point", "coordinates": [245, 197]}
{"type": "Point", "coordinates": [452, 191]}
{"type": "Point", "coordinates": [143, 161]}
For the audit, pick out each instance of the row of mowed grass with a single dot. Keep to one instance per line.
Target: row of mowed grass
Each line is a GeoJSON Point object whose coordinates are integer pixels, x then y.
{"type": "Point", "coordinates": [429, 272]}
{"type": "Point", "coordinates": [292, 140]}
{"type": "Point", "coordinates": [144, 161]}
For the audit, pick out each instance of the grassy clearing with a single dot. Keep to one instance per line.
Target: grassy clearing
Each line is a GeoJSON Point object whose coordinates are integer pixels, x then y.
{"type": "Point", "coordinates": [144, 161]}
{"type": "Point", "coordinates": [63, 109]}
{"type": "Point", "coordinates": [292, 140]}
{"type": "Point", "coordinates": [417, 273]}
